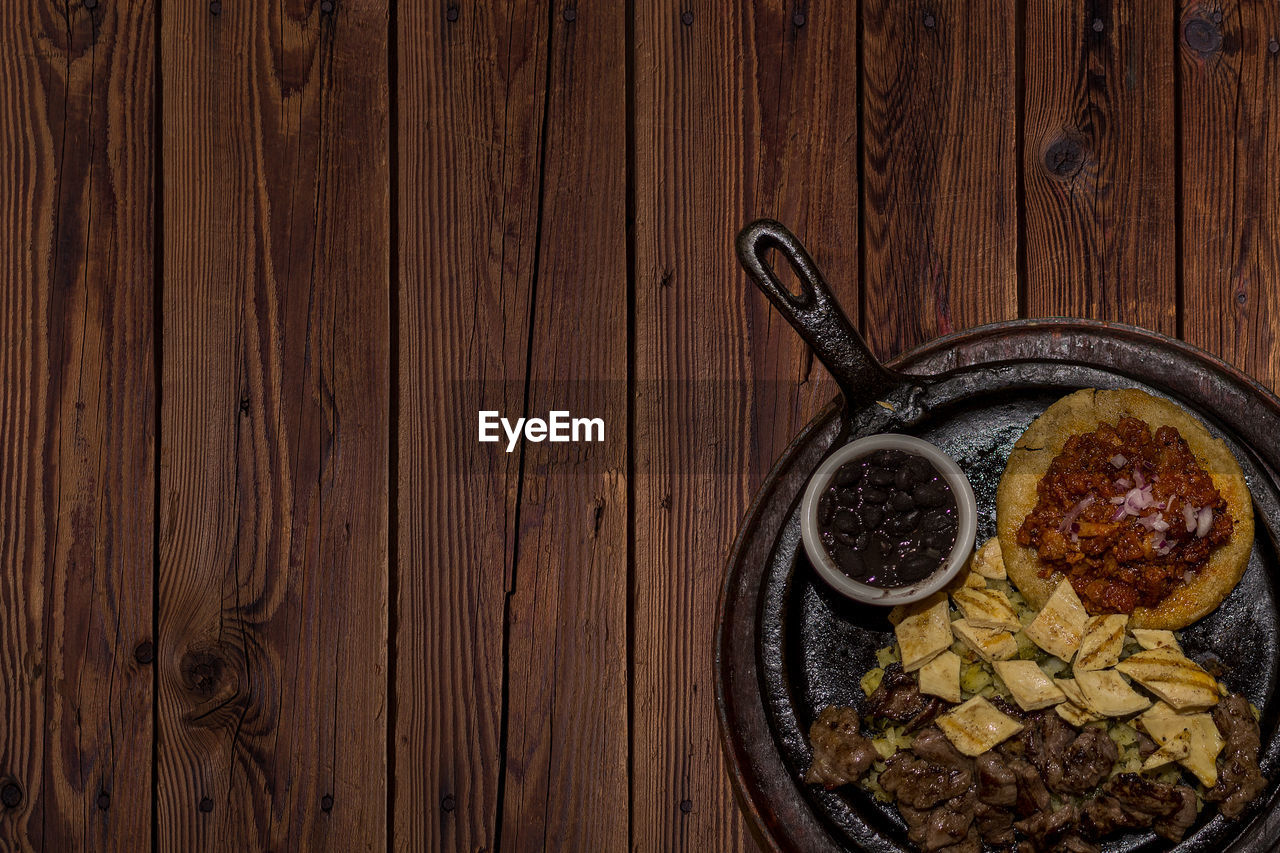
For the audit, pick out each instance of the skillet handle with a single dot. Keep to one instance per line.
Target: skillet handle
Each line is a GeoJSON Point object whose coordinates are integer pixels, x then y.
{"type": "Point", "coordinates": [814, 313]}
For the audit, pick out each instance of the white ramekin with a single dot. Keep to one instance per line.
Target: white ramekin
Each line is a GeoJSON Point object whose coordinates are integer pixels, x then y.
{"type": "Point", "coordinates": [966, 516]}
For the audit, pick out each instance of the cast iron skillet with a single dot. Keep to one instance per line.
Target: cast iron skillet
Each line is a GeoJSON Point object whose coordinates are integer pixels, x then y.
{"type": "Point", "coordinates": [788, 646]}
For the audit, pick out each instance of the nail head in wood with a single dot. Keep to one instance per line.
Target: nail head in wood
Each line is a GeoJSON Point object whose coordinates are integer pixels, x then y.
{"type": "Point", "coordinates": [326, 7]}
{"type": "Point", "coordinates": [798, 19]}
{"type": "Point", "coordinates": [686, 806]}
{"type": "Point", "coordinates": [326, 803]}
{"type": "Point", "coordinates": [448, 803]}
{"type": "Point", "coordinates": [206, 805]}
{"type": "Point", "coordinates": [571, 14]}
{"type": "Point", "coordinates": [1274, 46]}
{"type": "Point", "coordinates": [215, 7]}
{"type": "Point", "coordinates": [686, 18]}
{"type": "Point", "coordinates": [451, 14]}
{"type": "Point", "coordinates": [1201, 35]}
{"type": "Point", "coordinates": [929, 21]}
{"type": "Point", "coordinates": [1098, 26]}
{"type": "Point", "coordinates": [104, 801]}
{"type": "Point", "coordinates": [1217, 17]}
{"type": "Point", "coordinates": [145, 652]}
{"type": "Point", "coordinates": [1241, 298]}
{"type": "Point", "coordinates": [91, 4]}
{"type": "Point", "coordinates": [10, 794]}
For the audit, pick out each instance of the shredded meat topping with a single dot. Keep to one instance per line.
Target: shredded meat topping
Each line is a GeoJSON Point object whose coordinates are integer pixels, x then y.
{"type": "Point", "coordinates": [1126, 515]}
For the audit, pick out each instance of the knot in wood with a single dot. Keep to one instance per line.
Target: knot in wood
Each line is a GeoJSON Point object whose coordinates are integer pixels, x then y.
{"type": "Point", "coordinates": [202, 672]}
{"type": "Point", "coordinates": [1064, 157]}
{"type": "Point", "coordinates": [10, 794]}
{"type": "Point", "coordinates": [145, 653]}
{"type": "Point", "coordinates": [1201, 35]}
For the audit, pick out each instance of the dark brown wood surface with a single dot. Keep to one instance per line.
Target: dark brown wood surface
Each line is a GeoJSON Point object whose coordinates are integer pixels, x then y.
{"type": "Point", "coordinates": [263, 264]}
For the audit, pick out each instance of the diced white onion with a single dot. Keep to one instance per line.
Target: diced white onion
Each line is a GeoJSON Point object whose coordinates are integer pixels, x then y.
{"type": "Point", "coordinates": [1118, 461]}
{"type": "Point", "coordinates": [1204, 520]}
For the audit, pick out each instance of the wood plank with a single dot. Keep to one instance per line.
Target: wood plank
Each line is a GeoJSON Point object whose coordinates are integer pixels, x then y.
{"type": "Point", "coordinates": [77, 425]}
{"type": "Point", "coordinates": [471, 96]}
{"type": "Point", "coordinates": [741, 110]}
{"type": "Point", "coordinates": [939, 169]}
{"type": "Point", "coordinates": [274, 427]}
{"type": "Point", "coordinates": [1230, 57]}
{"type": "Point", "coordinates": [567, 729]}
{"type": "Point", "coordinates": [1098, 161]}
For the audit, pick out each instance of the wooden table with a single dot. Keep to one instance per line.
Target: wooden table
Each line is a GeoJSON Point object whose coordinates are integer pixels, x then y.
{"type": "Point", "coordinates": [263, 263]}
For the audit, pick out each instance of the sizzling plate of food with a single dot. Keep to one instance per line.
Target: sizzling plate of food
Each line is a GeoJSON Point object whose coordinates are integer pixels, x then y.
{"type": "Point", "coordinates": [1042, 702]}
{"type": "Point", "coordinates": [989, 723]}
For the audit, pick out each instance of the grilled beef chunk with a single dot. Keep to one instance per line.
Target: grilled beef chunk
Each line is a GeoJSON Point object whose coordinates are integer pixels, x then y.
{"type": "Point", "coordinates": [1128, 801]}
{"type": "Point", "coordinates": [898, 698]}
{"type": "Point", "coordinates": [840, 754]}
{"type": "Point", "coordinates": [1045, 828]}
{"type": "Point", "coordinates": [1032, 794]}
{"type": "Point", "coordinates": [997, 783]}
{"type": "Point", "coordinates": [922, 784]}
{"type": "Point", "coordinates": [1175, 825]}
{"type": "Point", "coordinates": [948, 827]}
{"type": "Point", "coordinates": [932, 745]}
{"type": "Point", "coordinates": [1239, 778]}
{"type": "Point", "coordinates": [994, 824]}
{"type": "Point", "coordinates": [1070, 761]}
{"type": "Point", "coordinates": [1086, 763]}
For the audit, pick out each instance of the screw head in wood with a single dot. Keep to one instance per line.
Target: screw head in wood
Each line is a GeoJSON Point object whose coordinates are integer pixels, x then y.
{"type": "Point", "coordinates": [10, 794]}
{"type": "Point", "coordinates": [686, 18]}
{"type": "Point", "coordinates": [1201, 35]}
{"type": "Point", "coordinates": [206, 805]}
{"type": "Point", "coordinates": [145, 652]}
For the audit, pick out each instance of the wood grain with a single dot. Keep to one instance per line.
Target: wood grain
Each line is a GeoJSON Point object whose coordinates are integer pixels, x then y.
{"type": "Point", "coordinates": [471, 99]}
{"type": "Point", "coordinates": [567, 732]}
{"type": "Point", "coordinates": [1230, 62]}
{"type": "Point", "coordinates": [274, 428]}
{"type": "Point", "coordinates": [77, 418]}
{"type": "Point", "coordinates": [741, 110]}
{"type": "Point", "coordinates": [1098, 161]}
{"type": "Point", "coordinates": [940, 169]}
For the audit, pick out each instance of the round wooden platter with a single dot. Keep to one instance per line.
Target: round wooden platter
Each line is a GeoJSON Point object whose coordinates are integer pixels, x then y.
{"type": "Point", "coordinates": [788, 646]}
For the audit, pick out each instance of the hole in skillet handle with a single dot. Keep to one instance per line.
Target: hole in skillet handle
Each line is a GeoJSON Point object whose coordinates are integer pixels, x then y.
{"type": "Point", "coordinates": [815, 314]}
